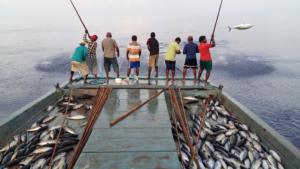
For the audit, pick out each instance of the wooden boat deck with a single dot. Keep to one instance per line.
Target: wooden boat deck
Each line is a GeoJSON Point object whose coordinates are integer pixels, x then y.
{"type": "Point", "coordinates": [143, 140]}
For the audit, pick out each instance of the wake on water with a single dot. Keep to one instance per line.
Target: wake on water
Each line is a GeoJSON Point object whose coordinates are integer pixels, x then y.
{"type": "Point", "coordinates": [243, 66]}
{"type": "Point", "coordinates": [56, 64]}
{"type": "Point", "coordinates": [236, 65]}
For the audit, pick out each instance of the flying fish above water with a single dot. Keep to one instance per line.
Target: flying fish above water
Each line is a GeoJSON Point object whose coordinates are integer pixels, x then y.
{"type": "Point", "coordinates": [242, 26]}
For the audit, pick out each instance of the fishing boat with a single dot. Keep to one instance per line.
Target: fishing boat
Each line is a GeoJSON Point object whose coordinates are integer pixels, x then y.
{"type": "Point", "coordinates": [142, 139]}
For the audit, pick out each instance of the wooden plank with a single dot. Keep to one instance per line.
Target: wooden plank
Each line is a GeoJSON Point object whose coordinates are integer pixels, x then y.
{"type": "Point", "coordinates": [153, 114]}
{"type": "Point", "coordinates": [130, 160]}
{"type": "Point", "coordinates": [121, 106]}
{"type": "Point", "coordinates": [288, 152]}
{"type": "Point", "coordinates": [134, 94]}
{"type": "Point", "coordinates": [140, 119]}
{"type": "Point", "coordinates": [138, 133]}
{"type": "Point", "coordinates": [129, 145]}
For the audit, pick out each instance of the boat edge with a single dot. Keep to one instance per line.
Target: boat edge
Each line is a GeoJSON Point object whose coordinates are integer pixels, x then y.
{"type": "Point", "coordinates": [273, 139]}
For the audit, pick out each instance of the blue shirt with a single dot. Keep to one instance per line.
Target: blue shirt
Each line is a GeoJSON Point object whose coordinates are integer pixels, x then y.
{"type": "Point", "coordinates": [80, 54]}
{"type": "Point", "coordinates": [190, 50]}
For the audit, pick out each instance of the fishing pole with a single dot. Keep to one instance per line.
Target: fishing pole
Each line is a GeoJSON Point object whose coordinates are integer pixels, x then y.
{"type": "Point", "coordinates": [213, 33]}
{"type": "Point", "coordinates": [79, 17]}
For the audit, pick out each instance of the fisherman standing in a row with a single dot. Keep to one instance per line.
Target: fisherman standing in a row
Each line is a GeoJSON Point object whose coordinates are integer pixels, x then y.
{"type": "Point", "coordinates": [92, 57]}
{"type": "Point", "coordinates": [133, 55]}
{"type": "Point", "coordinates": [78, 63]}
{"type": "Point", "coordinates": [153, 47]}
{"type": "Point", "coordinates": [190, 50]}
{"type": "Point", "coordinates": [205, 56]}
{"type": "Point", "coordinates": [170, 58]}
{"type": "Point", "coordinates": [110, 49]}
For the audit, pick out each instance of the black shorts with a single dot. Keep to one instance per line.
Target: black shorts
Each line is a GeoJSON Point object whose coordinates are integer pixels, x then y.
{"type": "Point", "coordinates": [190, 63]}
{"type": "Point", "coordinates": [111, 61]}
{"type": "Point", "coordinates": [170, 65]}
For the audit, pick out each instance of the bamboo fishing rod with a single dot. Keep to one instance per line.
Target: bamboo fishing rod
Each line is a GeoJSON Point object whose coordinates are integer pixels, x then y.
{"type": "Point", "coordinates": [132, 110]}
{"type": "Point", "coordinates": [79, 17]}
{"type": "Point", "coordinates": [216, 22]}
{"type": "Point", "coordinates": [60, 130]}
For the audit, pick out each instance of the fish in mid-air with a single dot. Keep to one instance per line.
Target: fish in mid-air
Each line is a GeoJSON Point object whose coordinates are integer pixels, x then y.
{"type": "Point", "coordinates": [243, 26]}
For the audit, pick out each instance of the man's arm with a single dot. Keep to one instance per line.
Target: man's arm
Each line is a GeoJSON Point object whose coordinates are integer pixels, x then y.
{"type": "Point", "coordinates": [158, 46]}
{"type": "Point", "coordinates": [148, 44]}
{"type": "Point", "coordinates": [140, 52]}
{"type": "Point", "coordinates": [184, 49]}
{"type": "Point", "coordinates": [118, 51]}
{"type": "Point", "coordinates": [178, 49]}
{"type": "Point", "coordinates": [212, 42]}
{"type": "Point", "coordinates": [85, 36]}
{"type": "Point", "coordinates": [117, 48]}
{"type": "Point", "coordinates": [102, 47]}
{"type": "Point", "coordinates": [127, 54]}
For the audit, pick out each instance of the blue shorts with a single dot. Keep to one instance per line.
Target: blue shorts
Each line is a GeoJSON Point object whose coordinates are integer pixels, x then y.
{"type": "Point", "coordinates": [134, 65]}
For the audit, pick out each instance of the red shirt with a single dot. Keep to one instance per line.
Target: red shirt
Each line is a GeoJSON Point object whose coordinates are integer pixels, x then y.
{"type": "Point", "coordinates": [204, 51]}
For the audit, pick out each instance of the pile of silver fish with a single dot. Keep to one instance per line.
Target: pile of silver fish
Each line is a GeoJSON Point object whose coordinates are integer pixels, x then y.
{"type": "Point", "coordinates": [223, 143]}
{"type": "Point", "coordinates": [34, 147]}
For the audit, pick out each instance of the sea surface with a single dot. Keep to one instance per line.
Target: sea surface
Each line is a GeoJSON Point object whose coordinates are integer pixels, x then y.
{"type": "Point", "coordinates": [259, 67]}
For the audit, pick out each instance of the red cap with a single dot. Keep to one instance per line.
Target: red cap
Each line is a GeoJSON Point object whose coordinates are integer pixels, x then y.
{"type": "Point", "coordinates": [94, 37]}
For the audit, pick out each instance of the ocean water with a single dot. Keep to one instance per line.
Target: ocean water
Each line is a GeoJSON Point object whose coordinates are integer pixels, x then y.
{"type": "Point", "coordinates": [259, 67]}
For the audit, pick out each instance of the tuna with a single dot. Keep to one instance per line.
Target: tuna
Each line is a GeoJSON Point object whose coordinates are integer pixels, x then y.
{"type": "Point", "coordinates": [243, 26]}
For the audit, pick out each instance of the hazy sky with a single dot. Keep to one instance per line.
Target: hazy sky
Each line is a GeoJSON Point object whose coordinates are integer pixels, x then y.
{"type": "Point", "coordinates": [274, 20]}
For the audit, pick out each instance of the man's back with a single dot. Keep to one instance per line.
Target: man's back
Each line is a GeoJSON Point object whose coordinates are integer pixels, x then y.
{"type": "Point", "coordinates": [80, 54]}
{"type": "Point", "coordinates": [204, 51]}
{"type": "Point", "coordinates": [134, 49]}
{"type": "Point", "coordinates": [190, 50]}
{"type": "Point", "coordinates": [153, 46]}
{"type": "Point", "coordinates": [109, 46]}
{"type": "Point", "coordinates": [171, 51]}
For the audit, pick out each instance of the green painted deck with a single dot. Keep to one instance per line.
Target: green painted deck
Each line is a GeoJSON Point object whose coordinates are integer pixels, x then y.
{"type": "Point", "coordinates": [143, 140]}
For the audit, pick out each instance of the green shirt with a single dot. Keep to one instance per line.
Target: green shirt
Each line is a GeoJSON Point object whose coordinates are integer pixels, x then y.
{"type": "Point", "coordinates": [171, 51]}
{"type": "Point", "coordinates": [80, 54]}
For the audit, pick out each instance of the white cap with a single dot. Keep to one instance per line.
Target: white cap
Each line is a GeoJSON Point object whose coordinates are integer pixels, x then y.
{"type": "Point", "coordinates": [82, 42]}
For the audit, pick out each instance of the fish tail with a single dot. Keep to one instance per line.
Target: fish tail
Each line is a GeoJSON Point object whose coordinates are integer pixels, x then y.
{"type": "Point", "coordinates": [229, 28]}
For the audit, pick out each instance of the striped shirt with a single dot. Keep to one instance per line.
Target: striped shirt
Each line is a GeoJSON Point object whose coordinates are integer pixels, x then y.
{"type": "Point", "coordinates": [134, 50]}
{"type": "Point", "coordinates": [92, 46]}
